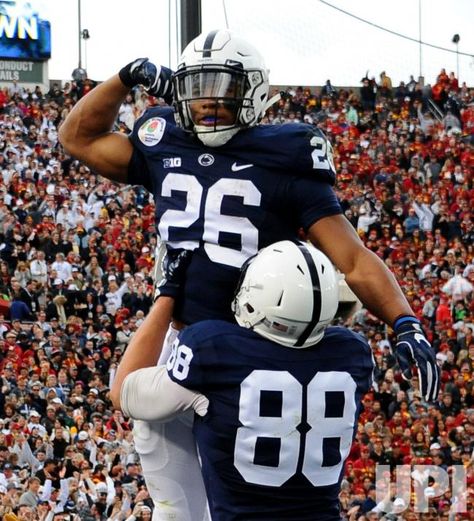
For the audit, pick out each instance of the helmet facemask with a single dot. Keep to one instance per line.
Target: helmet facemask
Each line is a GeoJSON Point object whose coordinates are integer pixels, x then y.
{"type": "Point", "coordinates": [213, 101]}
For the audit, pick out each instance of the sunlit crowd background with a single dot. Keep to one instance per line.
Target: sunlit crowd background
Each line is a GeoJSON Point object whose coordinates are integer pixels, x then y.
{"type": "Point", "coordinates": [77, 253]}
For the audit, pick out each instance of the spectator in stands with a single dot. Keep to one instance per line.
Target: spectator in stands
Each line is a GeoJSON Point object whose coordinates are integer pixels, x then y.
{"type": "Point", "coordinates": [31, 496]}
{"type": "Point", "coordinates": [367, 95]}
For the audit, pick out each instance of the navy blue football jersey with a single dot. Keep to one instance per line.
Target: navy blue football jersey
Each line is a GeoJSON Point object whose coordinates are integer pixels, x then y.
{"type": "Point", "coordinates": [280, 422]}
{"type": "Point", "coordinates": [228, 202]}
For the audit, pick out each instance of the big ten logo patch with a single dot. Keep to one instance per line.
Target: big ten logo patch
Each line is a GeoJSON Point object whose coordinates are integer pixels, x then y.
{"type": "Point", "coordinates": [171, 162]}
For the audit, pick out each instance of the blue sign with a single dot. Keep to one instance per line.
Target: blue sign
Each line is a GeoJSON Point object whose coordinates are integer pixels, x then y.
{"type": "Point", "coordinates": [23, 33]}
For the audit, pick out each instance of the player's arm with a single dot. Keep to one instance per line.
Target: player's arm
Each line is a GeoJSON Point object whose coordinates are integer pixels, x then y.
{"type": "Point", "coordinates": [140, 389]}
{"type": "Point", "coordinates": [332, 233]}
{"type": "Point", "coordinates": [150, 394]}
{"type": "Point", "coordinates": [320, 214]}
{"type": "Point", "coordinates": [87, 131]}
{"type": "Point", "coordinates": [143, 390]}
{"type": "Point", "coordinates": [366, 274]}
{"type": "Point", "coordinates": [145, 346]}
{"type": "Point", "coordinates": [379, 291]}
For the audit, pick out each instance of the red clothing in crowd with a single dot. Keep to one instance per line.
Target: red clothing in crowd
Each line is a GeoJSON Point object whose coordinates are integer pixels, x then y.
{"type": "Point", "coordinates": [443, 313]}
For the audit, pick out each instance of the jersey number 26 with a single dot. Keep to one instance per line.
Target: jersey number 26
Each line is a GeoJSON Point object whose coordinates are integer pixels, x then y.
{"type": "Point", "coordinates": [214, 222]}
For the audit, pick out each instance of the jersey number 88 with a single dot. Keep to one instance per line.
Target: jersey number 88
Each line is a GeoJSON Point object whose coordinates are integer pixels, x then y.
{"type": "Point", "coordinates": [294, 455]}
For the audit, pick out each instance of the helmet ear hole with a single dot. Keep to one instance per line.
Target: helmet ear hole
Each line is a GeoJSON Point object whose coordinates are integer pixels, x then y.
{"type": "Point", "coordinates": [249, 308]}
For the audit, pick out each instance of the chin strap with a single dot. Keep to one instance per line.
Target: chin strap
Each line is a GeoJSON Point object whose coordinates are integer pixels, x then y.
{"type": "Point", "coordinates": [215, 139]}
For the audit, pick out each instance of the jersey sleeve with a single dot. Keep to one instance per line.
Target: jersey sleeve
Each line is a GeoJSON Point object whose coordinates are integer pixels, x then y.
{"type": "Point", "coordinates": [312, 200]}
{"type": "Point", "coordinates": [314, 155]}
{"type": "Point", "coordinates": [138, 171]}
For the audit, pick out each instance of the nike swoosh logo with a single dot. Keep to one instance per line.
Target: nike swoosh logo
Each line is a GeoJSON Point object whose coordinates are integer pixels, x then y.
{"type": "Point", "coordinates": [237, 168]}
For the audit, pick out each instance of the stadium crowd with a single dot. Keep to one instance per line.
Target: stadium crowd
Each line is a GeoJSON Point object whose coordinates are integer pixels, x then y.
{"type": "Point", "coordinates": [75, 283]}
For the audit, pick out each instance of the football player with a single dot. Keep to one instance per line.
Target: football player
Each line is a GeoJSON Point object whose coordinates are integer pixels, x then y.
{"type": "Point", "coordinates": [277, 396]}
{"type": "Point", "coordinates": [226, 186]}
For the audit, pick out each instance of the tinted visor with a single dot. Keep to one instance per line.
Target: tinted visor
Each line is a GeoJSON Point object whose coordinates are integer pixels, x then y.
{"type": "Point", "coordinates": [215, 84]}
{"type": "Point", "coordinates": [210, 98]}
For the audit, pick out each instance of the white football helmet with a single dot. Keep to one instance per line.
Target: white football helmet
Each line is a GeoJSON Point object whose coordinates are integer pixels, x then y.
{"type": "Point", "coordinates": [225, 69]}
{"type": "Point", "coordinates": [288, 294]}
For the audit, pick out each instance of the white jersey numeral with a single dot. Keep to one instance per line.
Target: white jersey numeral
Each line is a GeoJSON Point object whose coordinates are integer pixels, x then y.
{"type": "Point", "coordinates": [322, 154]}
{"type": "Point", "coordinates": [180, 218]}
{"type": "Point", "coordinates": [255, 426]}
{"type": "Point", "coordinates": [284, 427]}
{"type": "Point", "coordinates": [179, 360]}
{"type": "Point", "coordinates": [322, 427]}
{"type": "Point", "coordinates": [214, 221]}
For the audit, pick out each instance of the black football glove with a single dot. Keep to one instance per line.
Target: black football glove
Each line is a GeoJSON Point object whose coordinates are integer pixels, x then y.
{"type": "Point", "coordinates": [170, 271]}
{"type": "Point", "coordinates": [156, 80]}
{"type": "Point", "coordinates": [414, 348]}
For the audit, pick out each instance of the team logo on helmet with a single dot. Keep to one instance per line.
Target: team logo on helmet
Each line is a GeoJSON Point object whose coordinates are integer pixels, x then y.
{"type": "Point", "coordinates": [151, 132]}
